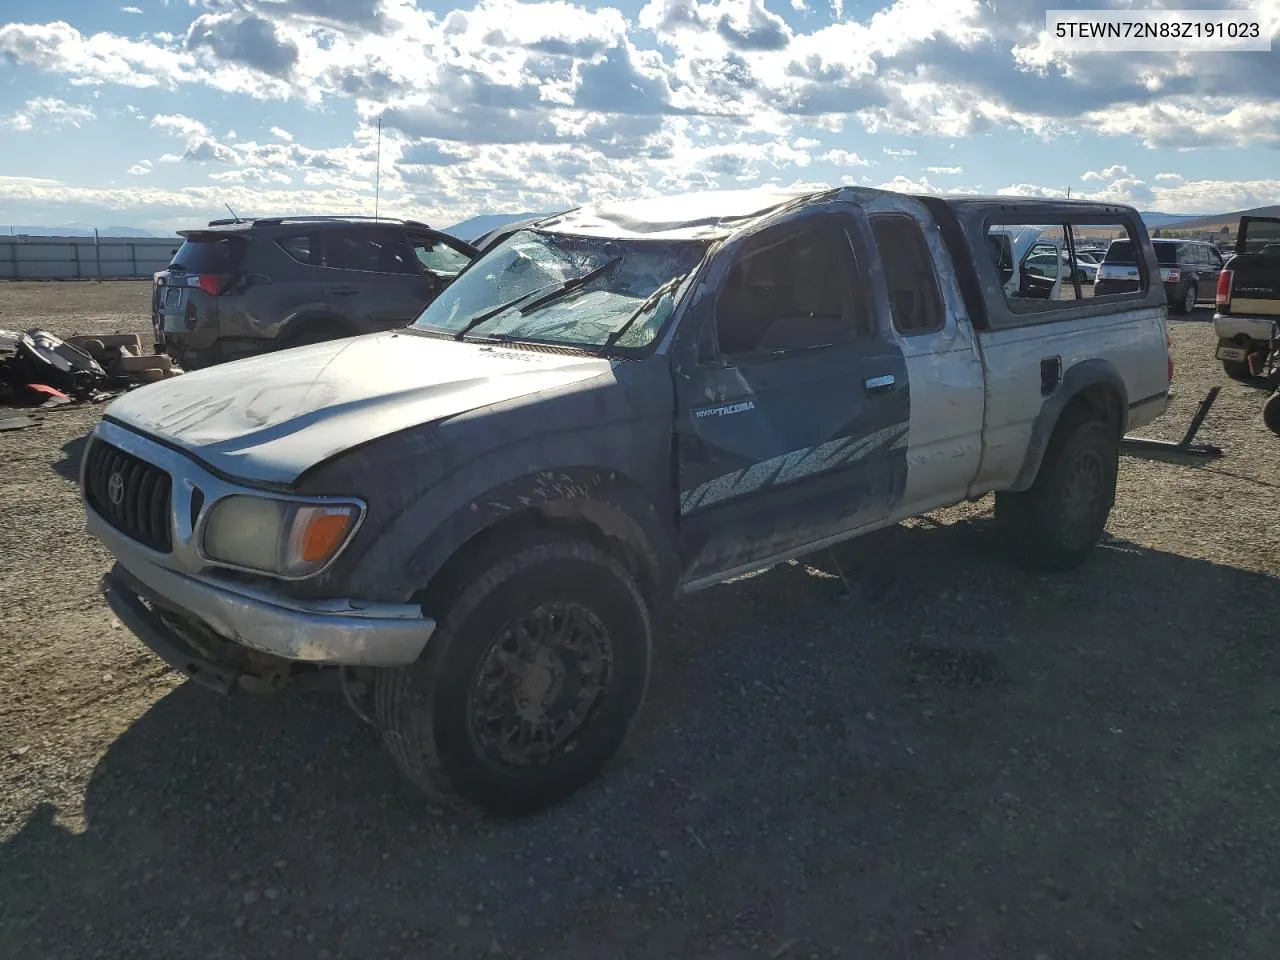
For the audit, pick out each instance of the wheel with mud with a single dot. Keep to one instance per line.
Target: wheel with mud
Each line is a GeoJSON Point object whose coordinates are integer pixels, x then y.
{"type": "Point", "coordinates": [1271, 413]}
{"type": "Point", "coordinates": [1057, 522]}
{"type": "Point", "coordinates": [529, 684]}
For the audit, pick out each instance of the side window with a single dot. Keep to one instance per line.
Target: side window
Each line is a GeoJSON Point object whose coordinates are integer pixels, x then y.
{"type": "Point", "coordinates": [1215, 258]}
{"type": "Point", "coordinates": [914, 301]}
{"type": "Point", "coordinates": [299, 248]}
{"type": "Point", "coordinates": [791, 293]}
{"type": "Point", "coordinates": [438, 257]}
{"type": "Point", "coordinates": [1035, 264]}
{"type": "Point", "coordinates": [371, 251]}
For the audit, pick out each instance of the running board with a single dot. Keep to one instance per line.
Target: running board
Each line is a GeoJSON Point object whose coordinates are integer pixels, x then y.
{"type": "Point", "coordinates": [1142, 445]}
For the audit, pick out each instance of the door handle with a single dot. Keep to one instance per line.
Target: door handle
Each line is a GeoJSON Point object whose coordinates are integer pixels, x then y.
{"type": "Point", "coordinates": [344, 291]}
{"type": "Point", "coordinates": [882, 384]}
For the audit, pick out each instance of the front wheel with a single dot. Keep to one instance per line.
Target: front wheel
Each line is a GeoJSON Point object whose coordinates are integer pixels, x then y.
{"type": "Point", "coordinates": [1056, 523]}
{"type": "Point", "coordinates": [1271, 413]}
{"type": "Point", "coordinates": [530, 682]}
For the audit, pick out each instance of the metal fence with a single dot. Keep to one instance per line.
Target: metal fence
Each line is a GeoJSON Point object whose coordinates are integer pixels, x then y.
{"type": "Point", "coordinates": [83, 258]}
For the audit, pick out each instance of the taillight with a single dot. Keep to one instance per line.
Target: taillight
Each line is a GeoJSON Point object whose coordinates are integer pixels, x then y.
{"type": "Point", "coordinates": [1170, 275]}
{"type": "Point", "coordinates": [1223, 297]}
{"type": "Point", "coordinates": [211, 283]}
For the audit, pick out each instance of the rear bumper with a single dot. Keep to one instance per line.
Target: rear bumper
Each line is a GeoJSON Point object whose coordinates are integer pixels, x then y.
{"type": "Point", "coordinates": [1231, 327]}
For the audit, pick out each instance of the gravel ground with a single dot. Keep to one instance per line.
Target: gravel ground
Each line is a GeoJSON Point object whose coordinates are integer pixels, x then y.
{"type": "Point", "coordinates": [960, 759]}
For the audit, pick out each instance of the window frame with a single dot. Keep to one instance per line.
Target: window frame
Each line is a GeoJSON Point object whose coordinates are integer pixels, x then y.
{"type": "Point", "coordinates": [857, 302]}
{"type": "Point", "coordinates": [939, 301]}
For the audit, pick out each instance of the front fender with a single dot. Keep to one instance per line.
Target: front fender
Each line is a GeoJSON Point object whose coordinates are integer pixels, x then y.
{"type": "Point", "coordinates": [1084, 379]}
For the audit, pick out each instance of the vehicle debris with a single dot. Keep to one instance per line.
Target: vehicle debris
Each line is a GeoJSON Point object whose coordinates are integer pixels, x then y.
{"type": "Point", "coordinates": [38, 368]}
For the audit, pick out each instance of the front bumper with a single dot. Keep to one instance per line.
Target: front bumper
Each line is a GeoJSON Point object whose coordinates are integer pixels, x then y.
{"type": "Point", "coordinates": [334, 632]}
{"type": "Point", "coordinates": [341, 632]}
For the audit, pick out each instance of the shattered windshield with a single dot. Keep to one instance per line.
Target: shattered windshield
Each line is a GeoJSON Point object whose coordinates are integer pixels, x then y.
{"type": "Point", "coordinates": [577, 291]}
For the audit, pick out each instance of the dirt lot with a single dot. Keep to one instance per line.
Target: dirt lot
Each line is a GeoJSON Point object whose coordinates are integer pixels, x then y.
{"type": "Point", "coordinates": [960, 760]}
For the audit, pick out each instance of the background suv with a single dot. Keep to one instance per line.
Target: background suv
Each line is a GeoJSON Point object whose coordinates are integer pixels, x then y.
{"type": "Point", "coordinates": [241, 287]}
{"type": "Point", "coordinates": [1188, 268]}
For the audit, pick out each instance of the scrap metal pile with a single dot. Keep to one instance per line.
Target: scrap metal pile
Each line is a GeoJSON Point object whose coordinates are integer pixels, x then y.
{"type": "Point", "coordinates": [38, 369]}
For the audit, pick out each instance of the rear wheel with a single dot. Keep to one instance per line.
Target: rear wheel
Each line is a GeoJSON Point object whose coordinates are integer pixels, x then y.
{"type": "Point", "coordinates": [1189, 298]}
{"type": "Point", "coordinates": [1057, 522]}
{"type": "Point", "coordinates": [1271, 413]}
{"type": "Point", "coordinates": [529, 684]}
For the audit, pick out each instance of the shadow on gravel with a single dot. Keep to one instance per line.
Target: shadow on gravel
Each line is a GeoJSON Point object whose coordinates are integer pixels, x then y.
{"type": "Point", "coordinates": [69, 466]}
{"type": "Point", "coordinates": [958, 759]}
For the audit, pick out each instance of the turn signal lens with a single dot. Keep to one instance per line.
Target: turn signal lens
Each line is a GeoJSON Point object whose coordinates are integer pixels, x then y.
{"type": "Point", "coordinates": [1223, 297]}
{"type": "Point", "coordinates": [320, 532]}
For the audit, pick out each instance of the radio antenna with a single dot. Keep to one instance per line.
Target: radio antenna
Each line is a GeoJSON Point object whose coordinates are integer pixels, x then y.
{"type": "Point", "coordinates": [377, 176]}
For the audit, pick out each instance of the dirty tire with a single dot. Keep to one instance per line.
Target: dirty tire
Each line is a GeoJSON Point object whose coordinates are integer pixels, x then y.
{"type": "Point", "coordinates": [1271, 413]}
{"type": "Point", "coordinates": [426, 710]}
{"type": "Point", "coordinates": [1057, 522]}
{"type": "Point", "coordinates": [1189, 299]}
{"type": "Point", "coordinates": [1237, 369]}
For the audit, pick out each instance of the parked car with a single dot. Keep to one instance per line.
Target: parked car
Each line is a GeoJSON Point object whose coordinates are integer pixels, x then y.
{"type": "Point", "coordinates": [1189, 271]}
{"type": "Point", "coordinates": [1044, 264]}
{"type": "Point", "coordinates": [480, 518]}
{"type": "Point", "coordinates": [241, 287]}
{"type": "Point", "coordinates": [1248, 304]}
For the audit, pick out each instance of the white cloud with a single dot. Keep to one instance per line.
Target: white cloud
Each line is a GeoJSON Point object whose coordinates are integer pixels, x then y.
{"type": "Point", "coordinates": [1169, 177]}
{"type": "Point", "coordinates": [46, 113]}
{"type": "Point", "coordinates": [948, 171]}
{"type": "Point", "coordinates": [843, 158]}
{"type": "Point", "coordinates": [281, 134]}
{"type": "Point", "coordinates": [130, 9]}
{"type": "Point", "coordinates": [141, 168]}
{"type": "Point", "coordinates": [898, 154]}
{"type": "Point", "coordinates": [1106, 173]}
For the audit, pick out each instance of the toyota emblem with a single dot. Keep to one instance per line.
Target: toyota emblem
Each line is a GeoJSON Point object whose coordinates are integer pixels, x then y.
{"type": "Point", "coordinates": [115, 489]}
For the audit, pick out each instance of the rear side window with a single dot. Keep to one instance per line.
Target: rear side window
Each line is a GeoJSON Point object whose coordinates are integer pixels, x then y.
{"type": "Point", "coordinates": [209, 253]}
{"type": "Point", "coordinates": [1166, 253]}
{"type": "Point", "coordinates": [914, 301]}
{"type": "Point", "coordinates": [1040, 266]}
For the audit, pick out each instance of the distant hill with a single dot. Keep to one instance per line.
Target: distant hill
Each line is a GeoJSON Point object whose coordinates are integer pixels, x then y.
{"type": "Point", "coordinates": [476, 227]}
{"type": "Point", "coordinates": [1217, 221]}
{"type": "Point", "coordinates": [1153, 219]}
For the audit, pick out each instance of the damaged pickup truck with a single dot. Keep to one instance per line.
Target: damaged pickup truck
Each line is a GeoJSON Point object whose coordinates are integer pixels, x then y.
{"type": "Point", "coordinates": [479, 518]}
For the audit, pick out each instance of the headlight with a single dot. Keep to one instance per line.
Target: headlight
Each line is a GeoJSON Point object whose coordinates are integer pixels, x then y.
{"type": "Point", "coordinates": [279, 537]}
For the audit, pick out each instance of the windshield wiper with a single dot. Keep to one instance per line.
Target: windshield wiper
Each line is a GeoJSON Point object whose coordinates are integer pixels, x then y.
{"type": "Point", "coordinates": [649, 303]}
{"type": "Point", "coordinates": [480, 318]}
{"type": "Point", "coordinates": [568, 286]}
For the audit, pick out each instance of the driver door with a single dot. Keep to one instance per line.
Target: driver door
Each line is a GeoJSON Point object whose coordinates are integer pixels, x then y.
{"type": "Point", "coordinates": [792, 410]}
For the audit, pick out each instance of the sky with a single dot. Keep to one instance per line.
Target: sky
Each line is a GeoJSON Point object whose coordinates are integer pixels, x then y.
{"type": "Point", "coordinates": [156, 113]}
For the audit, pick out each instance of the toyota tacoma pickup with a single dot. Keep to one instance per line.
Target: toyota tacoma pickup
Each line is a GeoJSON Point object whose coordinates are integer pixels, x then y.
{"type": "Point", "coordinates": [478, 519]}
{"type": "Point", "coordinates": [1248, 302]}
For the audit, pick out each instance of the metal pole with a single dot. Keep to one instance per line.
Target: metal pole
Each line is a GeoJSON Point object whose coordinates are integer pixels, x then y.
{"type": "Point", "coordinates": [377, 176]}
{"type": "Point", "coordinates": [97, 253]}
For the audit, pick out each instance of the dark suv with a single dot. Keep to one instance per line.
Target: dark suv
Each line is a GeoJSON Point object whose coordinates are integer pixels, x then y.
{"type": "Point", "coordinates": [1188, 268]}
{"type": "Point", "coordinates": [241, 287]}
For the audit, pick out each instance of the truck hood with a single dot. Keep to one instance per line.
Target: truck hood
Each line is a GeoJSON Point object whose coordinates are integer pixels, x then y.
{"type": "Point", "coordinates": [271, 417]}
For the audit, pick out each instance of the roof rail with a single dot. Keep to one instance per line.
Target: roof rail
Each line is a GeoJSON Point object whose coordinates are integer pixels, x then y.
{"type": "Point", "coordinates": [321, 218]}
